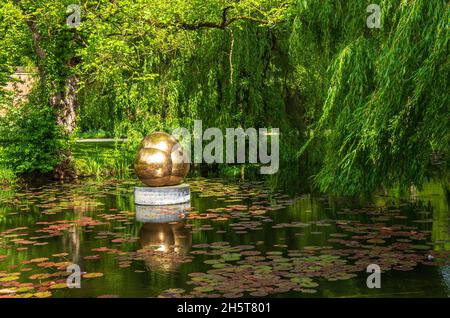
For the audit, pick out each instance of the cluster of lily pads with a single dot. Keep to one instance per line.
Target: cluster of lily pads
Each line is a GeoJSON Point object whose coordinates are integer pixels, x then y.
{"type": "Point", "coordinates": [352, 239]}
{"type": "Point", "coordinates": [238, 271]}
{"type": "Point", "coordinates": [54, 277]}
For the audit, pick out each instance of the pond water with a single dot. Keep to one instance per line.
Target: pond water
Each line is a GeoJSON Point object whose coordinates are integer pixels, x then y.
{"type": "Point", "coordinates": [232, 240]}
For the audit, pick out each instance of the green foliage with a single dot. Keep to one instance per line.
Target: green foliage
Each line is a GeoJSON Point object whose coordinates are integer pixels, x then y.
{"type": "Point", "coordinates": [93, 134]}
{"type": "Point", "coordinates": [31, 139]}
{"type": "Point", "coordinates": [4, 95]}
{"type": "Point", "coordinates": [157, 71]}
{"type": "Point", "coordinates": [144, 72]}
{"type": "Point", "coordinates": [386, 108]}
{"type": "Point", "coordinates": [102, 160]}
{"type": "Point", "coordinates": [14, 42]}
{"type": "Point", "coordinates": [32, 142]}
{"type": "Point", "coordinates": [369, 106]}
{"type": "Point", "coordinates": [7, 176]}
{"type": "Point", "coordinates": [15, 38]}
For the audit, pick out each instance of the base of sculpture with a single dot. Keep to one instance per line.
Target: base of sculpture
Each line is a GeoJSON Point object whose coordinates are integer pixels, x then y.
{"type": "Point", "coordinates": [162, 195]}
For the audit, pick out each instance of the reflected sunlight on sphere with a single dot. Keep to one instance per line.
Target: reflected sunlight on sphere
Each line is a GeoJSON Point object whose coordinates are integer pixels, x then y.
{"type": "Point", "coordinates": [161, 161]}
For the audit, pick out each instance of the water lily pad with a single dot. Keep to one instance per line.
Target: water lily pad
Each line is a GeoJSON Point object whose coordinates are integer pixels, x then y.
{"type": "Point", "coordinates": [59, 286]}
{"type": "Point", "coordinates": [204, 289]}
{"type": "Point", "coordinates": [44, 294]}
{"type": "Point", "coordinates": [92, 275]}
{"type": "Point", "coordinates": [231, 257]}
{"type": "Point", "coordinates": [9, 278]}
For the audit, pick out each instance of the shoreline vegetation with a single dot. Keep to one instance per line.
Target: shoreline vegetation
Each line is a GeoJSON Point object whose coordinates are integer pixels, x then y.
{"type": "Point", "coordinates": [98, 155]}
{"type": "Point", "coordinates": [107, 159]}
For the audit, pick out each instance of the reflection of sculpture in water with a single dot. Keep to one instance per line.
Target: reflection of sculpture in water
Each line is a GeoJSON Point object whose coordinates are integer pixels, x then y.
{"type": "Point", "coordinates": [164, 246]}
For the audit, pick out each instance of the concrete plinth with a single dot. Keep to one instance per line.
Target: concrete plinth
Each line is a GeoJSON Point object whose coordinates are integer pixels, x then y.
{"type": "Point", "coordinates": [162, 195]}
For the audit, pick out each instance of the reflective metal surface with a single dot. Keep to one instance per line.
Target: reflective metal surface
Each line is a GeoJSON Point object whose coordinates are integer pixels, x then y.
{"type": "Point", "coordinates": [160, 161]}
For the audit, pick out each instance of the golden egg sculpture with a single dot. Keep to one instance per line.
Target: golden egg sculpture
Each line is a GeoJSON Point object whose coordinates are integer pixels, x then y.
{"type": "Point", "coordinates": [161, 161]}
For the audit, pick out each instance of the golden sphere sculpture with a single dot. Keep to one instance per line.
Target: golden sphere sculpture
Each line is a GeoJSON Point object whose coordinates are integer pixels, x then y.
{"type": "Point", "coordinates": [161, 161]}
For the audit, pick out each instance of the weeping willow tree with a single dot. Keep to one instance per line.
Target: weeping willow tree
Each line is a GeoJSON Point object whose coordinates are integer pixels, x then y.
{"type": "Point", "coordinates": [386, 97]}
{"type": "Point", "coordinates": [137, 63]}
{"type": "Point", "coordinates": [214, 64]}
{"type": "Point", "coordinates": [371, 103]}
{"type": "Point", "coordinates": [174, 62]}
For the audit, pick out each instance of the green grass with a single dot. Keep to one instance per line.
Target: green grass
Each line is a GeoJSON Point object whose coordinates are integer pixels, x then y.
{"type": "Point", "coordinates": [91, 134]}
{"type": "Point", "coordinates": [7, 176]}
{"type": "Point", "coordinates": [102, 160]}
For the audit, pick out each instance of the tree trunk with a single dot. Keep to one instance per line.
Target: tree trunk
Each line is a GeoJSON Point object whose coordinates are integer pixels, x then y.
{"type": "Point", "coordinates": [65, 102]}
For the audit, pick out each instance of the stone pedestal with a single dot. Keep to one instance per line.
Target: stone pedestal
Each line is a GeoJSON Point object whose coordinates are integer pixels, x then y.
{"type": "Point", "coordinates": [162, 195]}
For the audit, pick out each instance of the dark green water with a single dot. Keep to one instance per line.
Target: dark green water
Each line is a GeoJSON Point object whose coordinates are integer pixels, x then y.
{"type": "Point", "coordinates": [254, 242]}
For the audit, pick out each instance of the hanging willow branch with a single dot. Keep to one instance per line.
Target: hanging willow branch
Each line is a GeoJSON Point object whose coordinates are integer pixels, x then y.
{"type": "Point", "coordinates": [231, 56]}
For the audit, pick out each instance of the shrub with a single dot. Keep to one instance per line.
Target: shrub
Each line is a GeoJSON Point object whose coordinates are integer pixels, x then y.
{"type": "Point", "coordinates": [32, 142]}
